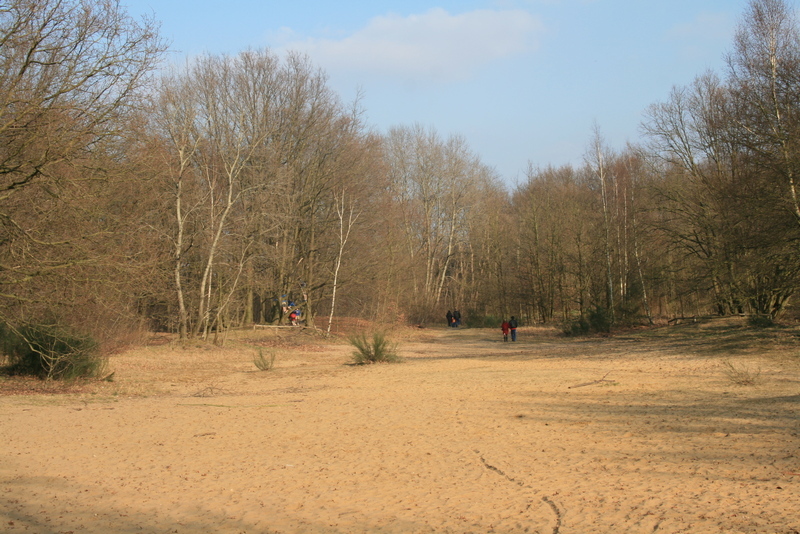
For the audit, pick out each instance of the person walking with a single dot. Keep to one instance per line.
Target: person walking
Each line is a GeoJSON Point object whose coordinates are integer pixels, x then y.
{"type": "Point", "coordinates": [456, 318]}
{"type": "Point", "coordinates": [505, 327]}
{"type": "Point", "coordinates": [512, 324]}
{"type": "Point", "coordinates": [449, 318]}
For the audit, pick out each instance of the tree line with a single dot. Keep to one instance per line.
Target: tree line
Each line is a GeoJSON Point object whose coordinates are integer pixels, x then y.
{"type": "Point", "coordinates": [235, 189]}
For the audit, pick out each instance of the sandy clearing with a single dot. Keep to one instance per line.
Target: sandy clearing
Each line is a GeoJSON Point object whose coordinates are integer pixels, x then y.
{"type": "Point", "coordinates": [634, 433]}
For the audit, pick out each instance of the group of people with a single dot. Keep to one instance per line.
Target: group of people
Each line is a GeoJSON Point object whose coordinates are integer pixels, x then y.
{"type": "Point", "coordinates": [289, 308]}
{"type": "Point", "coordinates": [453, 318]}
{"type": "Point", "coordinates": [509, 326]}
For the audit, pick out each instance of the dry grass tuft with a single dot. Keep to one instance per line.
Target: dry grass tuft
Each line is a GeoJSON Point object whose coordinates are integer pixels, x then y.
{"type": "Point", "coordinates": [741, 374]}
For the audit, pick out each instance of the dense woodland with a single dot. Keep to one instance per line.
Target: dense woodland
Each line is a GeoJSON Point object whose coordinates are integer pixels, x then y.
{"type": "Point", "coordinates": [231, 190]}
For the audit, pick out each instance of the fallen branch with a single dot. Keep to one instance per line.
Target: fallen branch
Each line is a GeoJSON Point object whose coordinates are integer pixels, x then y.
{"type": "Point", "coordinates": [592, 382]}
{"type": "Point", "coordinates": [679, 320]}
{"type": "Point", "coordinates": [210, 391]}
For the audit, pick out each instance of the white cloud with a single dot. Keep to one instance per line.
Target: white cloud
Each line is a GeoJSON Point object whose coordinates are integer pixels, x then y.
{"type": "Point", "coordinates": [703, 35]}
{"type": "Point", "coordinates": [705, 25]}
{"type": "Point", "coordinates": [433, 46]}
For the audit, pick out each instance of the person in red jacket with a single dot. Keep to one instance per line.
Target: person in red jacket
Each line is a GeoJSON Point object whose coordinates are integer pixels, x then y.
{"type": "Point", "coordinates": [505, 327]}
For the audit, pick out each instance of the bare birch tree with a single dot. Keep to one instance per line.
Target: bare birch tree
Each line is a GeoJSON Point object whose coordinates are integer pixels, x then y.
{"type": "Point", "coordinates": [203, 119]}
{"type": "Point", "coordinates": [345, 227]}
{"type": "Point", "coordinates": [598, 161]}
{"type": "Point", "coordinates": [176, 116]}
{"type": "Point", "coordinates": [764, 78]}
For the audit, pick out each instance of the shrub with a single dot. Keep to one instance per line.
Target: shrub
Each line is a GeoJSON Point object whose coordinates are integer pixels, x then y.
{"type": "Point", "coordinates": [424, 316]}
{"type": "Point", "coordinates": [482, 321]}
{"type": "Point", "coordinates": [578, 327]}
{"type": "Point", "coordinates": [378, 350]}
{"type": "Point", "coordinates": [600, 320]}
{"type": "Point", "coordinates": [51, 352]}
{"type": "Point", "coordinates": [597, 320]}
{"type": "Point", "coordinates": [264, 363]}
{"type": "Point", "coordinates": [760, 321]}
{"type": "Point", "coordinates": [741, 375]}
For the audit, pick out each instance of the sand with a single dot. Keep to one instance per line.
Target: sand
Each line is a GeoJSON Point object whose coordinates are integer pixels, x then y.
{"type": "Point", "coordinates": [636, 433]}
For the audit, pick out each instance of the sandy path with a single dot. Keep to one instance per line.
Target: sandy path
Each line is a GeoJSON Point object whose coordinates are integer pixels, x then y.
{"type": "Point", "coordinates": [468, 435]}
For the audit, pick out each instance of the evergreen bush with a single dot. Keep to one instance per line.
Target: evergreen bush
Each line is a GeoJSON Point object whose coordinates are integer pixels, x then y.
{"type": "Point", "coordinates": [51, 352]}
{"type": "Point", "coordinates": [264, 363]}
{"type": "Point", "coordinates": [482, 321]}
{"type": "Point", "coordinates": [600, 320]}
{"type": "Point", "coordinates": [377, 350]}
{"type": "Point", "coordinates": [761, 321]}
{"type": "Point", "coordinates": [577, 327]}
{"type": "Point", "coordinates": [597, 320]}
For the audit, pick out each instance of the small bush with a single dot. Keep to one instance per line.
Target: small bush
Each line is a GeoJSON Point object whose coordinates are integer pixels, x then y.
{"type": "Point", "coordinates": [51, 352]}
{"type": "Point", "coordinates": [740, 375]}
{"type": "Point", "coordinates": [578, 327]}
{"type": "Point", "coordinates": [264, 363]}
{"type": "Point", "coordinates": [760, 321]}
{"type": "Point", "coordinates": [481, 321]}
{"type": "Point", "coordinates": [378, 350]}
{"type": "Point", "coordinates": [600, 320]}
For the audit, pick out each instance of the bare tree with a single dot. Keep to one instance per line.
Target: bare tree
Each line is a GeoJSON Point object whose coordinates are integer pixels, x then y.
{"type": "Point", "coordinates": [555, 215]}
{"type": "Point", "coordinates": [257, 151]}
{"type": "Point", "coordinates": [721, 198]}
{"type": "Point", "coordinates": [204, 119]}
{"type": "Point", "coordinates": [71, 78]}
{"type": "Point", "coordinates": [345, 227]}
{"type": "Point", "coordinates": [764, 77]}
{"type": "Point", "coordinates": [433, 182]}
{"type": "Point", "coordinates": [176, 117]}
{"type": "Point", "coordinates": [635, 167]}
{"type": "Point", "coordinates": [598, 162]}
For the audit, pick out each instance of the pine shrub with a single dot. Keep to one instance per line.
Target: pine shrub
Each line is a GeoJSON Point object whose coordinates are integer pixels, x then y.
{"type": "Point", "coordinates": [761, 321]}
{"type": "Point", "coordinates": [377, 350]}
{"type": "Point", "coordinates": [51, 352]}
{"type": "Point", "coordinates": [264, 363]}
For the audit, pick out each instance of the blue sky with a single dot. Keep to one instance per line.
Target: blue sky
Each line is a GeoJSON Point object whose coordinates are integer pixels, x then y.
{"type": "Point", "coordinates": [521, 80]}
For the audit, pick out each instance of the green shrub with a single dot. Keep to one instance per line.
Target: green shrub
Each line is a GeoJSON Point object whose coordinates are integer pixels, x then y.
{"type": "Point", "coordinates": [378, 350]}
{"type": "Point", "coordinates": [8, 344]}
{"type": "Point", "coordinates": [482, 321]}
{"type": "Point", "coordinates": [597, 320]}
{"type": "Point", "coordinates": [51, 352]}
{"type": "Point", "coordinates": [577, 327]}
{"type": "Point", "coordinates": [760, 321]}
{"type": "Point", "coordinates": [264, 363]}
{"type": "Point", "coordinates": [600, 320]}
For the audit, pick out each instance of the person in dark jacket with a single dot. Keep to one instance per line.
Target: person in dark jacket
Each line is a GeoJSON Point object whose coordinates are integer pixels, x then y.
{"type": "Point", "coordinates": [512, 324]}
{"type": "Point", "coordinates": [449, 318]}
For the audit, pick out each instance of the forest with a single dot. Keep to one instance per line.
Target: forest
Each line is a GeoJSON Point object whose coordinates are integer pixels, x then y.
{"type": "Point", "coordinates": [234, 189]}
